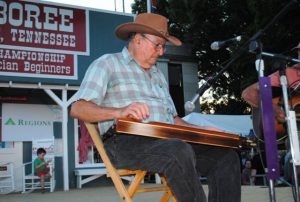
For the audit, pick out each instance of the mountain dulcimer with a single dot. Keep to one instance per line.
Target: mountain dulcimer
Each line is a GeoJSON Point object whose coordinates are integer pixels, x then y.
{"type": "Point", "coordinates": [188, 134]}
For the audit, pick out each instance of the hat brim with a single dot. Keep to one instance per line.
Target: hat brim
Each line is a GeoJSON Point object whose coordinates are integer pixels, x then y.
{"type": "Point", "coordinates": [123, 32]}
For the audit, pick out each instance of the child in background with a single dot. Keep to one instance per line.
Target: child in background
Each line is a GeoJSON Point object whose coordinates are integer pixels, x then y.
{"type": "Point", "coordinates": [41, 168]}
{"type": "Point", "coordinates": [246, 174]}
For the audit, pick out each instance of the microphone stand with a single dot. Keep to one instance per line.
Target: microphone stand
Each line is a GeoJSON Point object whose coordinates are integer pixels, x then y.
{"type": "Point", "coordinates": [281, 57]}
{"type": "Point", "coordinates": [267, 108]}
{"type": "Point", "coordinates": [266, 100]}
{"type": "Point", "coordinates": [267, 111]}
{"type": "Point", "coordinates": [209, 81]}
{"type": "Point", "coordinates": [240, 52]}
{"type": "Point", "coordinates": [189, 106]}
{"type": "Point", "coordinates": [290, 118]}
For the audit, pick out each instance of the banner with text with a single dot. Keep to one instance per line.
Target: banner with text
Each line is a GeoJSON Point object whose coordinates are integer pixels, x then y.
{"type": "Point", "coordinates": [42, 40]}
{"type": "Point", "coordinates": [37, 64]}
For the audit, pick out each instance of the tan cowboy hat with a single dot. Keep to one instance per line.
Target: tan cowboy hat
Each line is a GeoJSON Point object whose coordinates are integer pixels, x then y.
{"type": "Point", "coordinates": [147, 23]}
{"type": "Point", "coordinates": [296, 47]}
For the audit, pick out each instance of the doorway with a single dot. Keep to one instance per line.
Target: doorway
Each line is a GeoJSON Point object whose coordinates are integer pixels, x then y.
{"type": "Point", "coordinates": [176, 87]}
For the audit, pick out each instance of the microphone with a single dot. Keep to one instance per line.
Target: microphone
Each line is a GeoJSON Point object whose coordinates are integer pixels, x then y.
{"type": "Point", "coordinates": [190, 105]}
{"type": "Point", "coordinates": [219, 44]}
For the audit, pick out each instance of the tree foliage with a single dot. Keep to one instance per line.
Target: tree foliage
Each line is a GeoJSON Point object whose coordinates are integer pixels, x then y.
{"type": "Point", "coordinates": [200, 22]}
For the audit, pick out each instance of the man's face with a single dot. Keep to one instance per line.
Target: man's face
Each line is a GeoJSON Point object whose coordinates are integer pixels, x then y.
{"type": "Point", "coordinates": [152, 48]}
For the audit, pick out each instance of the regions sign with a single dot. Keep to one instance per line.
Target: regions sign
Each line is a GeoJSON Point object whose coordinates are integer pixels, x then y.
{"type": "Point", "coordinates": [20, 124]}
{"type": "Point", "coordinates": [42, 40]}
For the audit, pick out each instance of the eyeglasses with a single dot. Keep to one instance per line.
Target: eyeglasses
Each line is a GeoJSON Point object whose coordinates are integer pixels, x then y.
{"type": "Point", "coordinates": [157, 46]}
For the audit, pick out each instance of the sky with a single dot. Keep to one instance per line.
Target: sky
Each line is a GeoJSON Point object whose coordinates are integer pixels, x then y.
{"type": "Point", "coordinates": [113, 5]}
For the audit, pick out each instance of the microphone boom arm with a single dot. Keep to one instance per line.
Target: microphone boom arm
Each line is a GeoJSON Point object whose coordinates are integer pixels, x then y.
{"type": "Point", "coordinates": [189, 106]}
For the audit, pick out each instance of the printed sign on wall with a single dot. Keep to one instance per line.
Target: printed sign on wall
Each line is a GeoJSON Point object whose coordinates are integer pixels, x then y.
{"type": "Point", "coordinates": [20, 124]}
{"type": "Point", "coordinates": [47, 144]}
{"type": "Point", "coordinates": [37, 64]}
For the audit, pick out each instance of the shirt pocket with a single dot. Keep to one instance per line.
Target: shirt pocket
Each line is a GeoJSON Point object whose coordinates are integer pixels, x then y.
{"type": "Point", "coordinates": [123, 85]}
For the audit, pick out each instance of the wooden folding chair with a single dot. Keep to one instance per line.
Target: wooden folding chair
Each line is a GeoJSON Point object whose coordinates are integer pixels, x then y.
{"type": "Point", "coordinates": [126, 194]}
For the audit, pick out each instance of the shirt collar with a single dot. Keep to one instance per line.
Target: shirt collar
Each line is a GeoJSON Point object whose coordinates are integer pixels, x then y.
{"type": "Point", "coordinates": [126, 55]}
{"type": "Point", "coordinates": [128, 58]}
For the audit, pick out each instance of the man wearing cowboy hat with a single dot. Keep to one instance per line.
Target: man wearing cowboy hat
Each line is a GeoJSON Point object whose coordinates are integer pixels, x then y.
{"type": "Point", "coordinates": [128, 84]}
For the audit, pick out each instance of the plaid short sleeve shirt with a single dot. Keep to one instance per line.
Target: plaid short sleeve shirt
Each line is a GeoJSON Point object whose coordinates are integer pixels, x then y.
{"type": "Point", "coordinates": [116, 80]}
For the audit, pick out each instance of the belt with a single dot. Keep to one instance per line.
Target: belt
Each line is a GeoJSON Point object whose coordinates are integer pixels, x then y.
{"type": "Point", "coordinates": [109, 133]}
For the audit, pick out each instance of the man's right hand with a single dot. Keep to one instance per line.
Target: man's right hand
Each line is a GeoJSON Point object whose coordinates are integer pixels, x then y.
{"type": "Point", "coordinates": [136, 110]}
{"type": "Point", "coordinates": [91, 112]}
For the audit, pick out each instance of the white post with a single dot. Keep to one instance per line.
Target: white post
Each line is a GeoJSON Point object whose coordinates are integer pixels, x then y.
{"type": "Point", "coordinates": [123, 6]}
{"type": "Point", "coordinates": [148, 6]}
{"type": "Point", "coordinates": [65, 139]}
{"type": "Point", "coordinates": [64, 106]}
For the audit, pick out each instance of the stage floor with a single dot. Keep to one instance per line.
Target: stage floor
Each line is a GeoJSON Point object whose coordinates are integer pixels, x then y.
{"type": "Point", "coordinates": [108, 194]}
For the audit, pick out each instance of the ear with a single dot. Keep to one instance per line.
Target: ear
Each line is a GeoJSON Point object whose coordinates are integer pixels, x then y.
{"type": "Point", "coordinates": [137, 38]}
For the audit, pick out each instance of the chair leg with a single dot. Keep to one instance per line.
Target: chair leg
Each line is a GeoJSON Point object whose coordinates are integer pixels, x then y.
{"type": "Point", "coordinates": [165, 198]}
{"type": "Point", "coordinates": [134, 186]}
{"type": "Point", "coordinates": [119, 184]}
{"type": "Point", "coordinates": [168, 194]}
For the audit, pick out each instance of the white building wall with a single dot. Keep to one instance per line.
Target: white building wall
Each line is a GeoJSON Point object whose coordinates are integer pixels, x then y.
{"type": "Point", "coordinates": [163, 66]}
{"type": "Point", "coordinates": [190, 79]}
{"type": "Point", "coordinates": [14, 156]}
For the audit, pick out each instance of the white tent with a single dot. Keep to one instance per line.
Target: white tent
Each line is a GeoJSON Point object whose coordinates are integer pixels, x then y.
{"type": "Point", "coordinates": [237, 124]}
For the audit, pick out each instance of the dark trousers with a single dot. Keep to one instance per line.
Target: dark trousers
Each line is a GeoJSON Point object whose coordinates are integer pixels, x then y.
{"type": "Point", "coordinates": [181, 163]}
